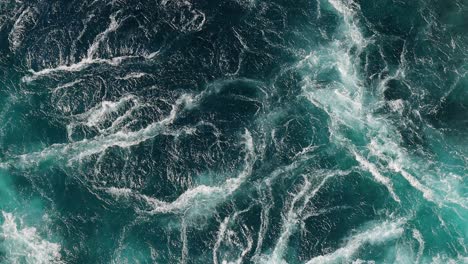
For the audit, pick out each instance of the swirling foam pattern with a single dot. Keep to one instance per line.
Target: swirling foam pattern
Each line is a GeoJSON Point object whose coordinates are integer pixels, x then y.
{"type": "Point", "coordinates": [233, 131]}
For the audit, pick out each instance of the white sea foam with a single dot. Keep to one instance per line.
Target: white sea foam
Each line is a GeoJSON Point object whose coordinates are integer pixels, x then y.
{"type": "Point", "coordinates": [205, 195]}
{"type": "Point", "coordinates": [24, 245]}
{"type": "Point", "coordinates": [267, 202]}
{"type": "Point", "coordinates": [417, 235]}
{"type": "Point", "coordinates": [395, 157]}
{"type": "Point", "coordinates": [323, 211]}
{"type": "Point", "coordinates": [78, 150]}
{"type": "Point", "coordinates": [352, 29]}
{"type": "Point", "coordinates": [397, 106]}
{"type": "Point", "coordinates": [152, 55]}
{"type": "Point", "coordinates": [295, 215]}
{"type": "Point", "coordinates": [66, 85]}
{"type": "Point", "coordinates": [90, 58]}
{"type": "Point", "coordinates": [119, 192]}
{"type": "Point", "coordinates": [376, 235]}
{"type": "Point", "coordinates": [233, 240]}
{"type": "Point", "coordinates": [444, 259]}
{"type": "Point", "coordinates": [427, 193]}
{"type": "Point", "coordinates": [201, 196]}
{"type": "Point", "coordinates": [182, 21]}
{"type": "Point", "coordinates": [98, 114]}
{"type": "Point", "coordinates": [289, 223]}
{"type": "Point", "coordinates": [79, 66]}
{"type": "Point", "coordinates": [350, 106]}
{"type": "Point", "coordinates": [27, 18]}
{"type": "Point", "coordinates": [377, 175]}
{"type": "Point", "coordinates": [221, 233]}
{"type": "Point", "coordinates": [113, 26]}
{"type": "Point", "coordinates": [133, 75]}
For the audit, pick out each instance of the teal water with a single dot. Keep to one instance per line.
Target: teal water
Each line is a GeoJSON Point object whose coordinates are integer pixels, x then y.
{"type": "Point", "coordinates": [234, 131]}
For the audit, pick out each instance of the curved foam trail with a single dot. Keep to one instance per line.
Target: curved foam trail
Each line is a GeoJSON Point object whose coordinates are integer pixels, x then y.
{"type": "Point", "coordinates": [232, 239]}
{"type": "Point", "coordinates": [90, 58]}
{"type": "Point", "coordinates": [113, 26]}
{"type": "Point", "coordinates": [220, 238]}
{"type": "Point", "coordinates": [202, 195]}
{"type": "Point", "coordinates": [133, 75]}
{"type": "Point", "coordinates": [245, 251]}
{"type": "Point", "coordinates": [267, 205]}
{"type": "Point", "coordinates": [15, 37]}
{"type": "Point", "coordinates": [386, 151]}
{"type": "Point", "coordinates": [288, 225]}
{"type": "Point", "coordinates": [25, 245]}
{"type": "Point", "coordinates": [101, 113]}
{"type": "Point", "coordinates": [97, 114]}
{"type": "Point", "coordinates": [264, 225]}
{"type": "Point", "coordinates": [392, 153]}
{"type": "Point", "coordinates": [183, 237]}
{"type": "Point", "coordinates": [379, 234]}
{"type": "Point", "coordinates": [325, 211]}
{"type": "Point", "coordinates": [295, 214]}
{"type": "Point", "coordinates": [427, 193]}
{"type": "Point", "coordinates": [76, 67]}
{"type": "Point", "coordinates": [211, 194]}
{"type": "Point", "coordinates": [417, 235]}
{"type": "Point", "coordinates": [66, 85]}
{"type": "Point", "coordinates": [85, 148]}
{"type": "Point", "coordinates": [377, 175]}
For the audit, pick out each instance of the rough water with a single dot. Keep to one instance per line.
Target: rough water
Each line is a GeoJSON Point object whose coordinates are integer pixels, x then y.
{"type": "Point", "coordinates": [234, 131]}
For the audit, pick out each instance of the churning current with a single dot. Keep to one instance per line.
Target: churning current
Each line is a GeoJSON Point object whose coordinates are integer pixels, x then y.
{"type": "Point", "coordinates": [233, 131]}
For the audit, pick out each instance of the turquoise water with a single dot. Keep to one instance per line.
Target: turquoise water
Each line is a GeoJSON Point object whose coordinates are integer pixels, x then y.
{"type": "Point", "coordinates": [234, 131]}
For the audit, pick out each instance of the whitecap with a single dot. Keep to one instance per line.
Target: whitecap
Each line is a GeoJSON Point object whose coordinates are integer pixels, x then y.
{"type": "Point", "coordinates": [24, 245]}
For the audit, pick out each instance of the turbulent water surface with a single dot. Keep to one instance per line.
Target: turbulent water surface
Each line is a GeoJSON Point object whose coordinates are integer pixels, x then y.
{"type": "Point", "coordinates": [233, 131]}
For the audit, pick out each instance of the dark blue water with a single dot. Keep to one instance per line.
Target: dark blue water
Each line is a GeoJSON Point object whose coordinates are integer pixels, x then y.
{"type": "Point", "coordinates": [234, 131]}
